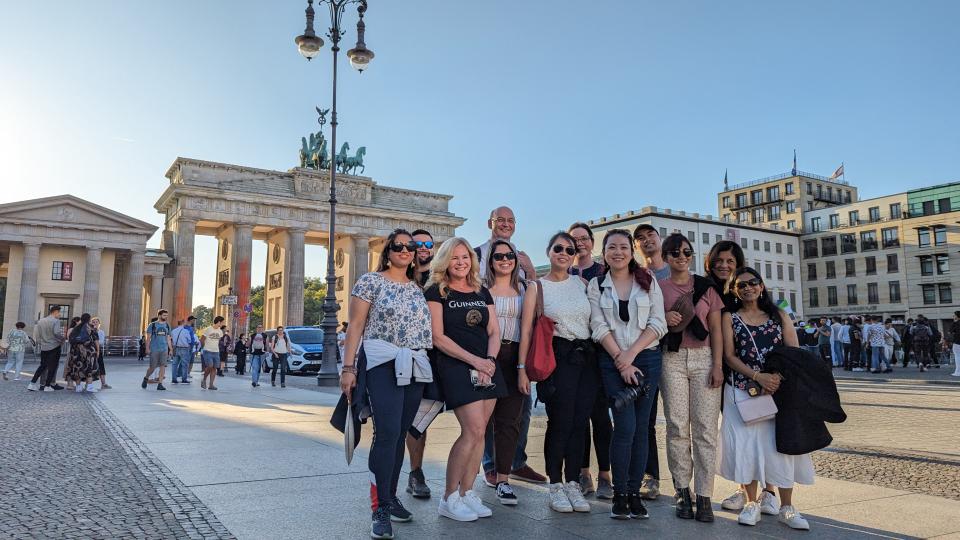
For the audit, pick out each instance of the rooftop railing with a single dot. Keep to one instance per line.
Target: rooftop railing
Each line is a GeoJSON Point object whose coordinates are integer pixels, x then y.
{"type": "Point", "coordinates": [784, 176]}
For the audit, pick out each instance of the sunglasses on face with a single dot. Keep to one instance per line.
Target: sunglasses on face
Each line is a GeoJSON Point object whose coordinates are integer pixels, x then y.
{"type": "Point", "coordinates": [509, 256]}
{"type": "Point", "coordinates": [397, 247]}
{"type": "Point", "coordinates": [755, 282]}
{"type": "Point", "coordinates": [560, 249]}
{"type": "Point", "coordinates": [675, 253]}
{"type": "Point", "coordinates": [420, 244]}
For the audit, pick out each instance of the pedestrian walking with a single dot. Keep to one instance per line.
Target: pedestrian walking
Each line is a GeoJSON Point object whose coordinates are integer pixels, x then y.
{"type": "Point", "coordinates": [257, 345]}
{"type": "Point", "coordinates": [891, 341]}
{"type": "Point", "coordinates": [824, 333]}
{"type": "Point", "coordinates": [955, 341]}
{"type": "Point", "coordinates": [226, 345]}
{"type": "Point", "coordinates": [184, 341]}
{"type": "Point", "coordinates": [691, 378]}
{"type": "Point", "coordinates": [279, 349]}
{"type": "Point", "coordinates": [84, 350]}
{"type": "Point", "coordinates": [836, 346]}
{"type": "Point", "coordinates": [748, 451]}
{"type": "Point", "coordinates": [879, 361]}
{"type": "Point", "coordinates": [68, 365]}
{"type": "Point", "coordinates": [160, 346]}
{"type": "Point", "coordinates": [101, 352]}
{"type": "Point", "coordinates": [210, 353]}
{"type": "Point", "coordinates": [17, 341]}
{"type": "Point", "coordinates": [466, 334]}
{"type": "Point", "coordinates": [48, 336]}
{"type": "Point", "coordinates": [240, 352]}
{"type": "Point", "coordinates": [627, 321]}
{"type": "Point", "coordinates": [571, 390]}
{"type": "Point", "coordinates": [854, 358]}
{"type": "Point", "coordinates": [388, 371]}
{"type": "Point", "coordinates": [921, 342]}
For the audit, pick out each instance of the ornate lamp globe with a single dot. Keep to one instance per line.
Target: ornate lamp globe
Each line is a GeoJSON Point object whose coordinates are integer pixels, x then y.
{"type": "Point", "coordinates": [360, 57]}
{"type": "Point", "coordinates": [308, 45]}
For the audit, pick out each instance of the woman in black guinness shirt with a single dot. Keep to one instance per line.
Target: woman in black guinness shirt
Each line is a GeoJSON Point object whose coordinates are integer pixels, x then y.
{"type": "Point", "coordinates": [467, 335]}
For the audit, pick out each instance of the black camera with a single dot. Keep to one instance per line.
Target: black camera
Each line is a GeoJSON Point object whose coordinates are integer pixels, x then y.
{"type": "Point", "coordinates": [630, 394]}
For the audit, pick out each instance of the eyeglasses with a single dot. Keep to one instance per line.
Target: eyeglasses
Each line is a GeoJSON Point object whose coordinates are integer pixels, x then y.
{"type": "Point", "coordinates": [501, 221]}
{"type": "Point", "coordinates": [510, 256]}
{"type": "Point", "coordinates": [428, 244]}
{"type": "Point", "coordinates": [675, 253]}
{"type": "Point", "coordinates": [397, 247]}
{"type": "Point", "coordinates": [755, 282]}
{"type": "Point", "coordinates": [560, 249]}
{"type": "Point", "coordinates": [581, 239]}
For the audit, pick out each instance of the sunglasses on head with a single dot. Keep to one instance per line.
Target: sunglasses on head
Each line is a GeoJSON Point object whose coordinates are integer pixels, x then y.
{"type": "Point", "coordinates": [509, 256]}
{"type": "Point", "coordinates": [755, 282]}
{"type": "Point", "coordinates": [675, 253]}
{"type": "Point", "coordinates": [397, 247]}
{"type": "Point", "coordinates": [421, 244]}
{"type": "Point", "coordinates": [560, 249]}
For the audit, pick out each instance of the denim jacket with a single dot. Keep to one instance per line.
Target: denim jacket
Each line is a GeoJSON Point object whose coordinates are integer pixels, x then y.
{"type": "Point", "coordinates": [646, 310]}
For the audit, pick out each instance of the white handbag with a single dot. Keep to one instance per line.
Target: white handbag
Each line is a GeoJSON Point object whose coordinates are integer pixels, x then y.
{"type": "Point", "coordinates": [753, 409]}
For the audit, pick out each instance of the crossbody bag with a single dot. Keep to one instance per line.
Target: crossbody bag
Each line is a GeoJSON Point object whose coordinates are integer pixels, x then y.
{"type": "Point", "coordinates": [758, 408]}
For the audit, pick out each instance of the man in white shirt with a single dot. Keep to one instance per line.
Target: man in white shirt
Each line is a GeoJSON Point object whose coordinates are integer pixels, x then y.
{"type": "Point", "coordinates": [845, 344]}
{"type": "Point", "coordinates": [836, 347]}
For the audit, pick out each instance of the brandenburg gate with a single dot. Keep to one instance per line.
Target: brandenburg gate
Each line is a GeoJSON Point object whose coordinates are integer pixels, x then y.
{"type": "Point", "coordinates": [287, 210]}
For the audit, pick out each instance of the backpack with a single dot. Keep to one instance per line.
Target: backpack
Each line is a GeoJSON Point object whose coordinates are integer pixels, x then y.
{"type": "Point", "coordinates": [921, 332]}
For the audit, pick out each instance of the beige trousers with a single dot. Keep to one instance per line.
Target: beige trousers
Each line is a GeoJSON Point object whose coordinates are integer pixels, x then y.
{"type": "Point", "coordinates": [692, 409]}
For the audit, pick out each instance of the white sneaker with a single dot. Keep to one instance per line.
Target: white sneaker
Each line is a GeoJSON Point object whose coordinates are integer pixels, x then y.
{"type": "Point", "coordinates": [769, 504]}
{"type": "Point", "coordinates": [472, 500]}
{"type": "Point", "coordinates": [575, 496]}
{"type": "Point", "coordinates": [48, 389]}
{"type": "Point", "coordinates": [558, 499]}
{"type": "Point", "coordinates": [32, 387]}
{"type": "Point", "coordinates": [750, 515]}
{"type": "Point", "coordinates": [791, 518]}
{"type": "Point", "coordinates": [735, 502]}
{"type": "Point", "coordinates": [91, 388]}
{"type": "Point", "coordinates": [454, 508]}
{"type": "Point", "coordinates": [78, 388]}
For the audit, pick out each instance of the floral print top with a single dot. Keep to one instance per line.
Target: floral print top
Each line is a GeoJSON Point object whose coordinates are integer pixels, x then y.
{"type": "Point", "coordinates": [767, 336]}
{"type": "Point", "coordinates": [398, 311]}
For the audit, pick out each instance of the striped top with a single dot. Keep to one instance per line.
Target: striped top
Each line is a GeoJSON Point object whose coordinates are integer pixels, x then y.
{"type": "Point", "coordinates": [508, 315]}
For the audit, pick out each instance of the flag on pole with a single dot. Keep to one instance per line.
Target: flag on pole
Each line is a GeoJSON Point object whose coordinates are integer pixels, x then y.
{"type": "Point", "coordinates": [837, 173]}
{"type": "Point", "coordinates": [785, 306]}
{"type": "Point", "coordinates": [794, 170]}
{"type": "Point", "coordinates": [725, 179]}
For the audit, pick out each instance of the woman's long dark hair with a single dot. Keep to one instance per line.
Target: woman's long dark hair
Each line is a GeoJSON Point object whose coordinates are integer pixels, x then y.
{"type": "Point", "coordinates": [640, 274]}
{"type": "Point", "coordinates": [385, 254]}
{"type": "Point", "coordinates": [715, 251]}
{"type": "Point", "coordinates": [764, 301]}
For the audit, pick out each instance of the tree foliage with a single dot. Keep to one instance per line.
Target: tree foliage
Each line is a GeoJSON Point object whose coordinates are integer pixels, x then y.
{"type": "Point", "coordinates": [314, 289]}
{"type": "Point", "coordinates": [204, 316]}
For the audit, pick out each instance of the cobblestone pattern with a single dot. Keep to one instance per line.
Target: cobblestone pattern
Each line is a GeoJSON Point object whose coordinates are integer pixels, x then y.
{"type": "Point", "coordinates": [891, 469]}
{"type": "Point", "coordinates": [68, 469]}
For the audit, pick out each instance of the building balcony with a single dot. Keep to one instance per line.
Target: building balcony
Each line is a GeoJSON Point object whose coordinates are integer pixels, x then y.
{"type": "Point", "coordinates": [761, 202]}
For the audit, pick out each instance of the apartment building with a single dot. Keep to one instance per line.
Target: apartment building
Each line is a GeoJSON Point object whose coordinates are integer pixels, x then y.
{"type": "Point", "coordinates": [775, 253]}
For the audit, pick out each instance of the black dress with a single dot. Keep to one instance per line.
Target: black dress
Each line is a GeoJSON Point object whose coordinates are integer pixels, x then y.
{"type": "Point", "coordinates": [465, 318]}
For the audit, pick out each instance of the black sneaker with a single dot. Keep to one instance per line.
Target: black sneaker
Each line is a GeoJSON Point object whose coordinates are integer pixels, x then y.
{"type": "Point", "coordinates": [637, 509]}
{"type": "Point", "coordinates": [398, 513]}
{"type": "Point", "coordinates": [505, 494]}
{"type": "Point", "coordinates": [381, 526]}
{"type": "Point", "coordinates": [57, 387]}
{"type": "Point", "coordinates": [160, 386]}
{"type": "Point", "coordinates": [417, 484]}
{"type": "Point", "coordinates": [144, 383]}
{"type": "Point", "coordinates": [621, 508]}
{"type": "Point", "coordinates": [174, 381]}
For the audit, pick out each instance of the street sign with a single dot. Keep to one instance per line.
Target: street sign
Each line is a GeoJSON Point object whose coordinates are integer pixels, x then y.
{"type": "Point", "coordinates": [228, 300]}
{"type": "Point", "coordinates": [248, 308]}
{"type": "Point", "coordinates": [236, 314]}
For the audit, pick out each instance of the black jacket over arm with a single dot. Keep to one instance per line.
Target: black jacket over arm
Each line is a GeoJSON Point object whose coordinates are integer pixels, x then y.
{"type": "Point", "coordinates": [807, 398]}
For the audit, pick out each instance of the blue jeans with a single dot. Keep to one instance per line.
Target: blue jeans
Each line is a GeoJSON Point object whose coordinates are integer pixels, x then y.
{"type": "Point", "coordinates": [256, 361]}
{"type": "Point", "coordinates": [877, 356]}
{"type": "Point", "coordinates": [520, 458]}
{"type": "Point", "coordinates": [837, 354]}
{"type": "Point", "coordinates": [181, 362]}
{"type": "Point", "coordinates": [629, 448]}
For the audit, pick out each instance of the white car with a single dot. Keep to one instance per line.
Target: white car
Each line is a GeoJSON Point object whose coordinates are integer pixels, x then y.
{"type": "Point", "coordinates": [306, 349]}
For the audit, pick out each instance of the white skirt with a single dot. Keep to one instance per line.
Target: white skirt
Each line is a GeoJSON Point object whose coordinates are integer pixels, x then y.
{"type": "Point", "coordinates": [749, 452]}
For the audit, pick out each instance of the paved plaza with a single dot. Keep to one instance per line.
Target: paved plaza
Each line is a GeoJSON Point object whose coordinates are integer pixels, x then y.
{"type": "Point", "coordinates": [265, 463]}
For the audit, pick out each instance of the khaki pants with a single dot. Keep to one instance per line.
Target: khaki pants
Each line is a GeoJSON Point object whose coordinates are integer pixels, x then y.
{"type": "Point", "coordinates": [690, 405]}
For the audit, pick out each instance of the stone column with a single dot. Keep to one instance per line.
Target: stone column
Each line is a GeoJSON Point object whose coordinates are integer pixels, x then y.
{"type": "Point", "coordinates": [361, 258]}
{"type": "Point", "coordinates": [28, 285]}
{"type": "Point", "coordinates": [295, 277]}
{"type": "Point", "coordinates": [156, 300]}
{"type": "Point", "coordinates": [240, 270]}
{"type": "Point", "coordinates": [91, 281]}
{"type": "Point", "coordinates": [183, 263]}
{"type": "Point", "coordinates": [132, 305]}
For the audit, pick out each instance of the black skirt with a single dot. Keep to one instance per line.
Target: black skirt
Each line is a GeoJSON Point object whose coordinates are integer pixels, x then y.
{"type": "Point", "coordinates": [457, 388]}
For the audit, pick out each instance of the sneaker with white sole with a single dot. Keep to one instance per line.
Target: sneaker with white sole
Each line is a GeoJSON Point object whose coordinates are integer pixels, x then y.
{"type": "Point", "coordinates": [32, 387]}
{"type": "Point", "coordinates": [575, 496]}
{"type": "Point", "coordinates": [91, 388]}
{"type": "Point", "coordinates": [735, 502]}
{"type": "Point", "coordinates": [79, 388]}
{"type": "Point", "coordinates": [750, 515]}
{"type": "Point", "coordinates": [769, 504]}
{"type": "Point", "coordinates": [791, 518]}
{"type": "Point", "coordinates": [558, 499]}
{"type": "Point", "coordinates": [649, 488]}
{"type": "Point", "coordinates": [506, 495]}
{"type": "Point", "coordinates": [474, 502]}
{"type": "Point", "coordinates": [48, 389]}
{"type": "Point", "coordinates": [455, 508]}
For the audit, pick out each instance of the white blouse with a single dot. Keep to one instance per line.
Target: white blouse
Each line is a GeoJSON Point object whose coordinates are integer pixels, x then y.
{"type": "Point", "coordinates": [566, 303]}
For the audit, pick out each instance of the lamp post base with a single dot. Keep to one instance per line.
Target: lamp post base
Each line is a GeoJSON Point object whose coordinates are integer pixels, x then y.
{"type": "Point", "coordinates": [328, 379]}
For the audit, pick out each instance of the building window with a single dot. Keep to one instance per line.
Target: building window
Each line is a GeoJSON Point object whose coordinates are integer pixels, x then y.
{"type": "Point", "coordinates": [848, 243]}
{"type": "Point", "coordinates": [834, 220]}
{"type": "Point", "coordinates": [928, 208]}
{"type": "Point", "coordinates": [779, 247]}
{"type": "Point", "coordinates": [829, 245]}
{"type": "Point", "coordinates": [706, 239]}
{"type": "Point", "coordinates": [815, 224]}
{"type": "Point", "coordinates": [692, 238]}
{"type": "Point", "coordinates": [923, 237]}
{"type": "Point", "coordinates": [831, 296]}
{"type": "Point", "coordinates": [890, 237]}
{"type": "Point", "coordinates": [873, 296]}
{"type": "Point", "coordinates": [789, 249]}
{"type": "Point", "coordinates": [939, 235]}
{"type": "Point", "coordinates": [809, 188]}
{"type": "Point", "coordinates": [743, 242]}
{"type": "Point", "coordinates": [943, 264]}
{"type": "Point", "coordinates": [780, 272]}
{"type": "Point", "coordinates": [663, 232]}
{"type": "Point", "coordinates": [874, 214]}
{"type": "Point", "coordinates": [830, 193]}
{"type": "Point", "coordinates": [943, 205]}
{"type": "Point", "coordinates": [893, 264]}
{"type": "Point", "coordinates": [813, 296]}
{"type": "Point", "coordinates": [742, 217]}
{"type": "Point", "coordinates": [62, 271]}
{"type": "Point", "coordinates": [819, 191]}
{"type": "Point", "coordinates": [894, 292]}
{"type": "Point", "coordinates": [895, 212]}
{"type": "Point", "coordinates": [926, 265]}
{"type": "Point", "coordinates": [779, 296]}
{"type": "Point", "coordinates": [756, 244]}
{"type": "Point", "coordinates": [831, 269]}
{"type": "Point", "coordinates": [793, 299]}
{"type": "Point", "coordinates": [929, 294]}
{"type": "Point", "coordinates": [791, 207]}
{"type": "Point", "coordinates": [769, 270]}
{"type": "Point", "coordinates": [851, 267]}
{"type": "Point", "coordinates": [851, 294]}
{"type": "Point", "coordinates": [809, 248]}
{"type": "Point", "coordinates": [811, 271]}
{"type": "Point", "coordinates": [871, 265]}
{"type": "Point", "coordinates": [741, 200]}
{"type": "Point", "coordinates": [757, 216]}
{"type": "Point", "coordinates": [791, 224]}
{"type": "Point", "coordinates": [810, 205]}
{"type": "Point", "coordinates": [718, 237]}
{"type": "Point", "coordinates": [756, 196]}
{"type": "Point", "coordinates": [854, 217]}
{"type": "Point", "coordinates": [946, 293]}
{"type": "Point", "coordinates": [766, 246]}
{"type": "Point", "coordinates": [726, 201]}
{"type": "Point", "coordinates": [847, 197]}
{"type": "Point", "coordinates": [788, 188]}
{"type": "Point", "coordinates": [773, 193]}
{"type": "Point", "coordinates": [791, 274]}
{"type": "Point", "coordinates": [773, 213]}
{"type": "Point", "coordinates": [868, 240]}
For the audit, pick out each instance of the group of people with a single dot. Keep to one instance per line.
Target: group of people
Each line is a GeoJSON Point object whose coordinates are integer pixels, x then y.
{"type": "Point", "coordinates": [457, 325]}
{"type": "Point", "coordinates": [84, 366]}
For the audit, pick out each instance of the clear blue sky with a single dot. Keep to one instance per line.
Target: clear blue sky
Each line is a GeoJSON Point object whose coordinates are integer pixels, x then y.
{"type": "Point", "coordinates": [558, 110]}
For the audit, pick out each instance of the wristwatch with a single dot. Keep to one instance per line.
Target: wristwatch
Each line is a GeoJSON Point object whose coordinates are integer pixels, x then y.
{"type": "Point", "coordinates": [492, 359]}
{"type": "Point", "coordinates": [521, 366]}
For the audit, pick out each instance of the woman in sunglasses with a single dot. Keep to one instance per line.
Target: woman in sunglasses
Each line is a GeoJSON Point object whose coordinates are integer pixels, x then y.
{"type": "Point", "coordinates": [748, 452]}
{"type": "Point", "coordinates": [388, 311]}
{"type": "Point", "coordinates": [691, 377]}
{"type": "Point", "coordinates": [570, 391]}
{"type": "Point", "coordinates": [720, 264]}
{"type": "Point", "coordinates": [627, 321]}
{"type": "Point", "coordinates": [466, 334]}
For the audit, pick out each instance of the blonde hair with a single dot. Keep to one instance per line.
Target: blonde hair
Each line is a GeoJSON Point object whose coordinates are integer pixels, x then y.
{"type": "Point", "coordinates": [441, 262]}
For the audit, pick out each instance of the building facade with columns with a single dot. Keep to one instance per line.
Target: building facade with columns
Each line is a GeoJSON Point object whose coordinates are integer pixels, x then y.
{"type": "Point", "coordinates": [72, 253]}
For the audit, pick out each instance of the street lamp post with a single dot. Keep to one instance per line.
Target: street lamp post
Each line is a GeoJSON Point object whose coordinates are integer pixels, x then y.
{"type": "Point", "coordinates": [309, 45]}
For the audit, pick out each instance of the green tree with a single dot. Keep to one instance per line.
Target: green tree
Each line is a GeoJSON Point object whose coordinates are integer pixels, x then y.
{"type": "Point", "coordinates": [256, 301]}
{"type": "Point", "coordinates": [314, 290]}
{"type": "Point", "coordinates": [204, 316]}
